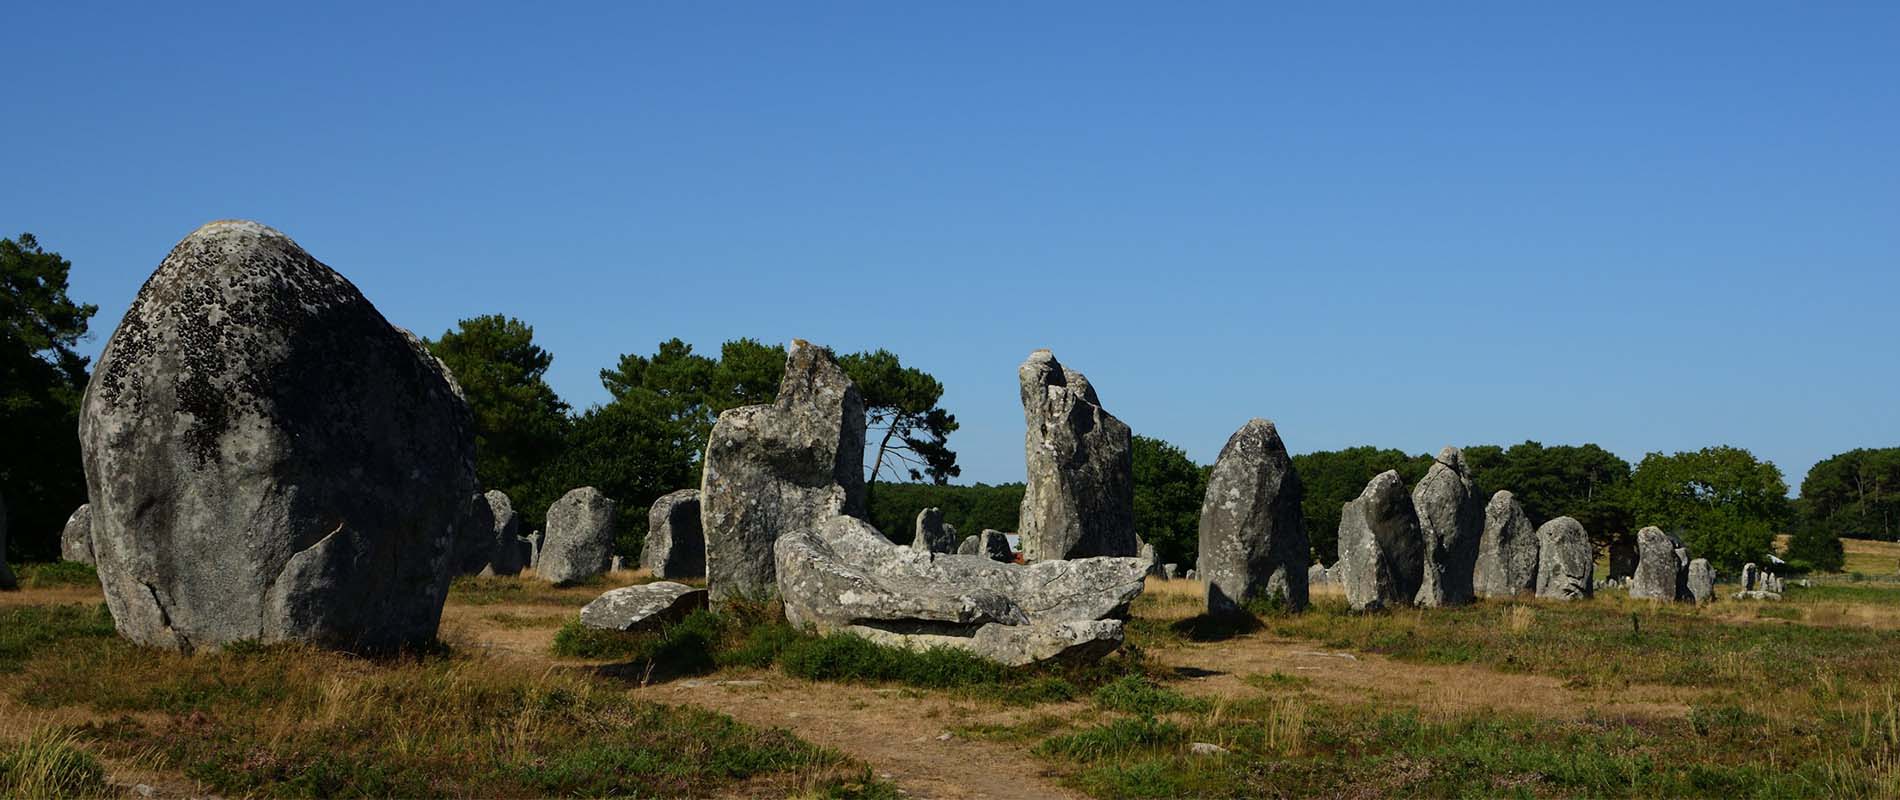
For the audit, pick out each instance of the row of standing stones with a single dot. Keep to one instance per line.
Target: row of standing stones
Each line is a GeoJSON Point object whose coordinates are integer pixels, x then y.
{"type": "Point", "coordinates": [268, 458]}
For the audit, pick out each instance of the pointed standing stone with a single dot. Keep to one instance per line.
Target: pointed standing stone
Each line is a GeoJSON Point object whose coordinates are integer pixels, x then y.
{"type": "Point", "coordinates": [1451, 517]}
{"type": "Point", "coordinates": [1507, 553]}
{"type": "Point", "coordinates": [1660, 572]}
{"type": "Point", "coordinates": [931, 534]}
{"type": "Point", "coordinates": [1381, 551]}
{"type": "Point", "coordinates": [770, 469]}
{"type": "Point", "coordinates": [1253, 533]}
{"type": "Point", "coordinates": [504, 540]}
{"type": "Point", "coordinates": [580, 538]}
{"type": "Point", "coordinates": [1566, 563]}
{"type": "Point", "coordinates": [675, 546]}
{"type": "Point", "coordinates": [1079, 500]}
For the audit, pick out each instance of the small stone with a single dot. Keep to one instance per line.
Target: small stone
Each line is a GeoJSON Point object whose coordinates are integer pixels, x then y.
{"type": "Point", "coordinates": [617, 565]}
{"type": "Point", "coordinates": [1169, 571]}
{"type": "Point", "coordinates": [1207, 749]}
{"type": "Point", "coordinates": [75, 540]}
{"type": "Point", "coordinates": [991, 544]}
{"type": "Point", "coordinates": [1192, 575]}
{"type": "Point", "coordinates": [644, 606]}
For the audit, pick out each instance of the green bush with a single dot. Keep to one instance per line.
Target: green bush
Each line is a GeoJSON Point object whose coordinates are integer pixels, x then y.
{"type": "Point", "coordinates": [844, 657]}
{"type": "Point", "coordinates": [1136, 694]}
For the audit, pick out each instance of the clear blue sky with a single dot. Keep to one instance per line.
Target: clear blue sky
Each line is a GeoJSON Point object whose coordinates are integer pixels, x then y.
{"type": "Point", "coordinates": [1651, 226]}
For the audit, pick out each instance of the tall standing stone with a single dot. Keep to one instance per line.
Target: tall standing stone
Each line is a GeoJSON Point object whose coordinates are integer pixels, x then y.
{"type": "Point", "coordinates": [1507, 552]}
{"type": "Point", "coordinates": [675, 547]}
{"type": "Point", "coordinates": [773, 469]}
{"type": "Point", "coordinates": [1079, 500]}
{"type": "Point", "coordinates": [1701, 581]}
{"type": "Point", "coordinates": [1566, 563]}
{"type": "Point", "coordinates": [1381, 551]}
{"type": "Point", "coordinates": [75, 540]}
{"type": "Point", "coordinates": [504, 542]}
{"type": "Point", "coordinates": [1253, 533]}
{"type": "Point", "coordinates": [268, 458]}
{"type": "Point", "coordinates": [1660, 572]}
{"type": "Point", "coordinates": [931, 534]}
{"type": "Point", "coordinates": [580, 537]}
{"type": "Point", "coordinates": [1451, 517]}
{"type": "Point", "coordinates": [1750, 573]}
{"type": "Point", "coordinates": [474, 536]}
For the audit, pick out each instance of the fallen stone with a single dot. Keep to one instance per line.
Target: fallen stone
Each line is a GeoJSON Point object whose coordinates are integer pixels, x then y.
{"type": "Point", "coordinates": [1701, 580]}
{"type": "Point", "coordinates": [1566, 563]}
{"type": "Point", "coordinates": [506, 555]}
{"type": "Point", "coordinates": [931, 534]}
{"type": "Point", "coordinates": [675, 546]}
{"type": "Point", "coordinates": [580, 537]}
{"type": "Point", "coordinates": [1381, 557]}
{"type": "Point", "coordinates": [269, 459]}
{"type": "Point", "coordinates": [1451, 520]}
{"type": "Point", "coordinates": [1660, 572]}
{"type": "Point", "coordinates": [1507, 552]}
{"type": "Point", "coordinates": [844, 576]}
{"type": "Point", "coordinates": [75, 540]}
{"type": "Point", "coordinates": [1253, 534]}
{"type": "Point", "coordinates": [771, 470]}
{"type": "Point", "coordinates": [1757, 594]}
{"type": "Point", "coordinates": [641, 607]}
{"type": "Point", "coordinates": [1079, 500]}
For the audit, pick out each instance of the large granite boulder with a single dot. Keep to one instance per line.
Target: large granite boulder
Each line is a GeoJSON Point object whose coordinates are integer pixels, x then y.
{"type": "Point", "coordinates": [845, 576]}
{"type": "Point", "coordinates": [1566, 563]}
{"type": "Point", "coordinates": [505, 553]}
{"type": "Point", "coordinates": [1661, 571]}
{"type": "Point", "coordinates": [580, 537]}
{"type": "Point", "coordinates": [1253, 533]}
{"type": "Point", "coordinates": [1079, 500]}
{"type": "Point", "coordinates": [675, 546]}
{"type": "Point", "coordinates": [931, 534]}
{"type": "Point", "coordinates": [75, 540]}
{"type": "Point", "coordinates": [774, 469]}
{"type": "Point", "coordinates": [1701, 581]}
{"type": "Point", "coordinates": [648, 605]}
{"type": "Point", "coordinates": [268, 458]}
{"type": "Point", "coordinates": [7, 581]}
{"type": "Point", "coordinates": [1507, 552]}
{"type": "Point", "coordinates": [1451, 517]}
{"type": "Point", "coordinates": [1381, 551]}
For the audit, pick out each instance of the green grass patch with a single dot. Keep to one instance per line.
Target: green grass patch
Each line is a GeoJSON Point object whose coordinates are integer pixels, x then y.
{"type": "Point", "coordinates": [29, 630]}
{"type": "Point", "coordinates": [1137, 694]}
{"type": "Point", "coordinates": [55, 574]}
{"type": "Point", "coordinates": [49, 764]}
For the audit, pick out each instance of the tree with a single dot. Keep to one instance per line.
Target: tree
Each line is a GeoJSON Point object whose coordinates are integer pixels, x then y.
{"type": "Point", "coordinates": [1333, 478]}
{"type": "Point", "coordinates": [1169, 488]}
{"type": "Point", "coordinates": [1855, 494]}
{"type": "Point", "coordinates": [519, 421]}
{"type": "Point", "coordinates": [1724, 503]}
{"type": "Point", "coordinates": [894, 507]}
{"type": "Point", "coordinates": [629, 451]}
{"type": "Point", "coordinates": [902, 416]}
{"type": "Point", "coordinates": [1585, 482]}
{"type": "Point", "coordinates": [41, 382]}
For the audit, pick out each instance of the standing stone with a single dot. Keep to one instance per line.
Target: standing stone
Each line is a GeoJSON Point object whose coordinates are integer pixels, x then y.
{"type": "Point", "coordinates": [1451, 518]}
{"type": "Point", "coordinates": [1192, 575]}
{"type": "Point", "coordinates": [1566, 563]}
{"type": "Point", "coordinates": [1659, 572]}
{"type": "Point", "coordinates": [534, 549]}
{"type": "Point", "coordinates": [1622, 559]}
{"type": "Point", "coordinates": [1169, 571]}
{"type": "Point", "coordinates": [1079, 500]}
{"type": "Point", "coordinates": [1750, 573]}
{"type": "Point", "coordinates": [1701, 580]}
{"type": "Point", "coordinates": [269, 459]}
{"type": "Point", "coordinates": [1507, 553]}
{"type": "Point", "coordinates": [474, 536]}
{"type": "Point", "coordinates": [1315, 575]}
{"type": "Point", "coordinates": [675, 547]}
{"type": "Point", "coordinates": [75, 541]}
{"type": "Point", "coordinates": [1148, 556]}
{"type": "Point", "coordinates": [7, 581]}
{"type": "Point", "coordinates": [931, 535]}
{"type": "Point", "coordinates": [990, 544]}
{"type": "Point", "coordinates": [504, 545]}
{"type": "Point", "coordinates": [773, 469]}
{"type": "Point", "coordinates": [1381, 551]}
{"type": "Point", "coordinates": [580, 538]}
{"type": "Point", "coordinates": [1253, 533]}
{"type": "Point", "coordinates": [617, 564]}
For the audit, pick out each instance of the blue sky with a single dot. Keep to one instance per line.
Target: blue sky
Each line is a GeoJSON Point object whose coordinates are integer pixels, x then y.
{"type": "Point", "coordinates": [1651, 226]}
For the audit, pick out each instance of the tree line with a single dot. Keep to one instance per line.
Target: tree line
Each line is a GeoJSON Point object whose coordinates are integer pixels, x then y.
{"type": "Point", "coordinates": [648, 438]}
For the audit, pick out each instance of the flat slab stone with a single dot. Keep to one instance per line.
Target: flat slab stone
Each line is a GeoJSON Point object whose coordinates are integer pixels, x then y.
{"type": "Point", "coordinates": [648, 605]}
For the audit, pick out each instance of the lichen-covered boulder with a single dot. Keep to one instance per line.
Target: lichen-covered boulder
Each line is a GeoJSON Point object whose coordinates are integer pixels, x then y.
{"type": "Point", "coordinates": [505, 553]}
{"type": "Point", "coordinates": [580, 537]}
{"type": "Point", "coordinates": [648, 605]}
{"type": "Point", "coordinates": [1566, 563]}
{"type": "Point", "coordinates": [1451, 518]}
{"type": "Point", "coordinates": [1701, 581]}
{"type": "Point", "coordinates": [845, 576]}
{"type": "Point", "coordinates": [1507, 552]}
{"type": "Point", "coordinates": [675, 546]}
{"type": "Point", "coordinates": [75, 540]}
{"type": "Point", "coordinates": [268, 458]}
{"type": "Point", "coordinates": [774, 469]}
{"type": "Point", "coordinates": [931, 534]}
{"type": "Point", "coordinates": [1381, 558]}
{"type": "Point", "coordinates": [1661, 572]}
{"type": "Point", "coordinates": [1253, 533]}
{"type": "Point", "coordinates": [1079, 500]}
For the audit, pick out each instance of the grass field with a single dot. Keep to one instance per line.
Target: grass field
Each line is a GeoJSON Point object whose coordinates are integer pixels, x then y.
{"type": "Point", "coordinates": [1602, 698]}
